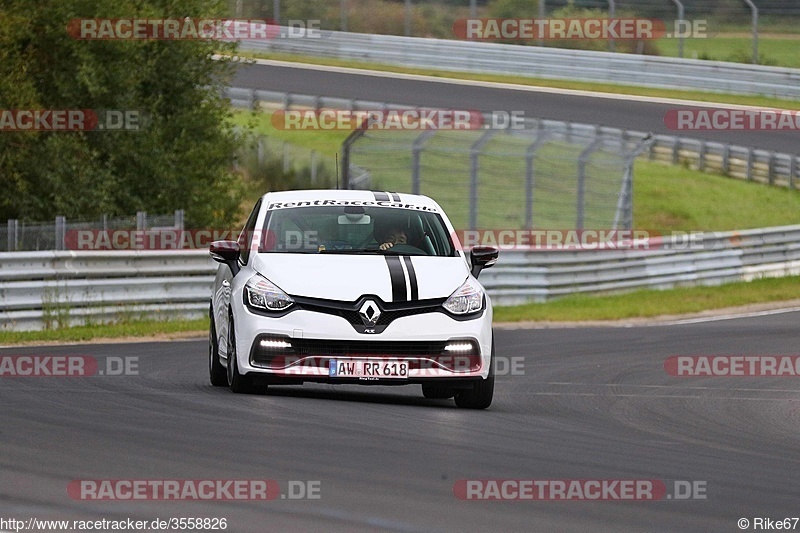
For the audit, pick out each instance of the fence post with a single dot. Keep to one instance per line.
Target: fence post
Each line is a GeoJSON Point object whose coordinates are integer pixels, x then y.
{"type": "Point", "coordinates": [346, 146]}
{"type": "Point", "coordinates": [749, 174]}
{"type": "Point", "coordinates": [474, 154]}
{"type": "Point", "coordinates": [625, 201]}
{"type": "Point", "coordinates": [313, 166]}
{"type": "Point", "coordinates": [701, 157]}
{"type": "Point", "coordinates": [530, 174]}
{"type": "Point", "coordinates": [540, 41]}
{"type": "Point", "coordinates": [792, 171]}
{"type": "Point", "coordinates": [416, 152]}
{"type": "Point", "coordinates": [680, 22]}
{"type": "Point", "coordinates": [771, 168]}
{"type": "Point", "coordinates": [61, 223]}
{"type": "Point", "coordinates": [754, 10]}
{"type": "Point", "coordinates": [179, 215]}
{"type": "Point", "coordinates": [13, 234]}
{"type": "Point", "coordinates": [582, 159]}
{"type": "Point", "coordinates": [726, 159]}
{"type": "Point", "coordinates": [141, 221]}
{"type": "Point", "coordinates": [676, 146]}
{"type": "Point", "coordinates": [612, 8]}
{"type": "Point", "coordinates": [285, 157]}
{"type": "Point", "coordinates": [342, 15]}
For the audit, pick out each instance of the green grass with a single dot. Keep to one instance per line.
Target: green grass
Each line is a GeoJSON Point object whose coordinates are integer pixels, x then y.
{"type": "Point", "coordinates": [145, 328]}
{"type": "Point", "coordinates": [675, 198]}
{"type": "Point", "coordinates": [774, 50]}
{"type": "Point", "coordinates": [666, 198]}
{"type": "Point", "coordinates": [700, 96]}
{"type": "Point", "coordinates": [326, 142]}
{"type": "Point", "coordinates": [651, 303]}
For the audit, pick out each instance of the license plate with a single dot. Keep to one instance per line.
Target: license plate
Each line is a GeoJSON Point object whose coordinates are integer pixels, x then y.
{"type": "Point", "coordinates": [359, 368]}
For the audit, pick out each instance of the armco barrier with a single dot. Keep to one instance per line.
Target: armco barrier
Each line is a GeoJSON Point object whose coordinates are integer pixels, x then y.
{"type": "Point", "coordinates": [541, 62]}
{"type": "Point", "coordinates": [50, 289]}
{"type": "Point", "coordinates": [47, 289]}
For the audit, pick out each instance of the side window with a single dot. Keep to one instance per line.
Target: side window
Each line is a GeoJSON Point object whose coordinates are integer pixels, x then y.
{"type": "Point", "coordinates": [246, 236]}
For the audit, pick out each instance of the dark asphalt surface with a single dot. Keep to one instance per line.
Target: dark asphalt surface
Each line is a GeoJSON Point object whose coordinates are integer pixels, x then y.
{"type": "Point", "coordinates": [592, 403]}
{"type": "Point", "coordinates": [623, 113]}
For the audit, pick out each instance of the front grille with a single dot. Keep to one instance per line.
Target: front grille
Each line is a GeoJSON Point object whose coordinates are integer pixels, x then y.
{"type": "Point", "coordinates": [307, 347]}
{"type": "Point", "coordinates": [389, 311]}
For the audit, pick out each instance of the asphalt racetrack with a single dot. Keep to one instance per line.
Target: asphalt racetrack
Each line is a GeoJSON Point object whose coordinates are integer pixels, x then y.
{"type": "Point", "coordinates": [626, 112]}
{"type": "Point", "coordinates": [588, 403]}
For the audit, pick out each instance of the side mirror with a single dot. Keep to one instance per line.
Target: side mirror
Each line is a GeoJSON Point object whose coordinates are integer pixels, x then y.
{"type": "Point", "coordinates": [482, 257]}
{"type": "Point", "coordinates": [227, 253]}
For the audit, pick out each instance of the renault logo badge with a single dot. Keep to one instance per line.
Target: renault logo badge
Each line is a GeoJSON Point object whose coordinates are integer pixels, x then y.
{"type": "Point", "coordinates": [369, 313]}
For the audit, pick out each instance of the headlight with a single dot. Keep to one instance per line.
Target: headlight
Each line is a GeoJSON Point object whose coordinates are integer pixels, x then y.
{"type": "Point", "coordinates": [467, 299]}
{"type": "Point", "coordinates": [261, 293]}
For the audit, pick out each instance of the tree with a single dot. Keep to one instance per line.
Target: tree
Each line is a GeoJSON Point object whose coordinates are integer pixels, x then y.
{"type": "Point", "coordinates": [180, 158]}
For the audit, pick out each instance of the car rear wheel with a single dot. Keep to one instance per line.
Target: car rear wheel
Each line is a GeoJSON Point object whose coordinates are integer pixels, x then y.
{"type": "Point", "coordinates": [216, 371]}
{"type": "Point", "coordinates": [480, 396]}
{"type": "Point", "coordinates": [236, 381]}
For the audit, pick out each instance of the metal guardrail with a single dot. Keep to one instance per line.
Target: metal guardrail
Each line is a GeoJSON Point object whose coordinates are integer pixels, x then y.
{"type": "Point", "coordinates": [48, 289]}
{"type": "Point", "coordinates": [531, 276]}
{"type": "Point", "coordinates": [539, 62]}
{"type": "Point", "coordinates": [746, 163]}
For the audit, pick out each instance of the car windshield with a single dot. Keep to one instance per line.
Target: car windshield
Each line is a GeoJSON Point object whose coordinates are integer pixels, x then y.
{"type": "Point", "coordinates": [356, 230]}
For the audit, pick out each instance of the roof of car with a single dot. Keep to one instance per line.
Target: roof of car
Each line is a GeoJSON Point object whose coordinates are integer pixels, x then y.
{"type": "Point", "coordinates": [338, 196]}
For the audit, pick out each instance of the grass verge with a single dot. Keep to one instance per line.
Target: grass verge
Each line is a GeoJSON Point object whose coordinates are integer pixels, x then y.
{"type": "Point", "coordinates": [700, 96]}
{"type": "Point", "coordinates": [652, 303]}
{"type": "Point", "coordinates": [145, 328]}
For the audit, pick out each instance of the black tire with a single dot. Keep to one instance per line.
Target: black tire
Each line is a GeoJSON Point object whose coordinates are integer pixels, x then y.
{"type": "Point", "coordinates": [437, 391]}
{"type": "Point", "coordinates": [479, 397]}
{"type": "Point", "coordinates": [217, 373]}
{"type": "Point", "coordinates": [236, 381]}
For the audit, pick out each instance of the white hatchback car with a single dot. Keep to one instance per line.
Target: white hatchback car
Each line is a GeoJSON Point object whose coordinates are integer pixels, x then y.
{"type": "Point", "coordinates": [352, 287]}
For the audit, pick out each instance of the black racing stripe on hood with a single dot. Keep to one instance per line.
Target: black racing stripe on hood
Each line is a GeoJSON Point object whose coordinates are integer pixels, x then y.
{"type": "Point", "coordinates": [412, 278]}
{"type": "Point", "coordinates": [395, 196]}
{"type": "Point", "coordinates": [397, 278]}
{"type": "Point", "coordinates": [380, 196]}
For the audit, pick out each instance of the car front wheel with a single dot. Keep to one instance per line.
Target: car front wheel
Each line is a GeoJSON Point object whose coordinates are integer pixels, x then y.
{"type": "Point", "coordinates": [480, 396]}
{"type": "Point", "coordinates": [216, 371]}
{"type": "Point", "coordinates": [236, 381]}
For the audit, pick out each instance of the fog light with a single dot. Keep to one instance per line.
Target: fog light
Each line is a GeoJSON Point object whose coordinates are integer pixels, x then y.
{"type": "Point", "coordinates": [275, 344]}
{"type": "Point", "coordinates": [459, 347]}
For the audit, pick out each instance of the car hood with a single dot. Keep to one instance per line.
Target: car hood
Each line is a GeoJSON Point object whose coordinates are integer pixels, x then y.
{"type": "Point", "coordinates": [348, 277]}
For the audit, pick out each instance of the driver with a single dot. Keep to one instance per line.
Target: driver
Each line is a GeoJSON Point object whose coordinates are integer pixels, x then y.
{"type": "Point", "coordinates": [394, 235]}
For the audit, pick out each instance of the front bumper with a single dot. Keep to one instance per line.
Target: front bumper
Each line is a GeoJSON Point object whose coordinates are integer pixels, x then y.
{"type": "Point", "coordinates": [301, 345]}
